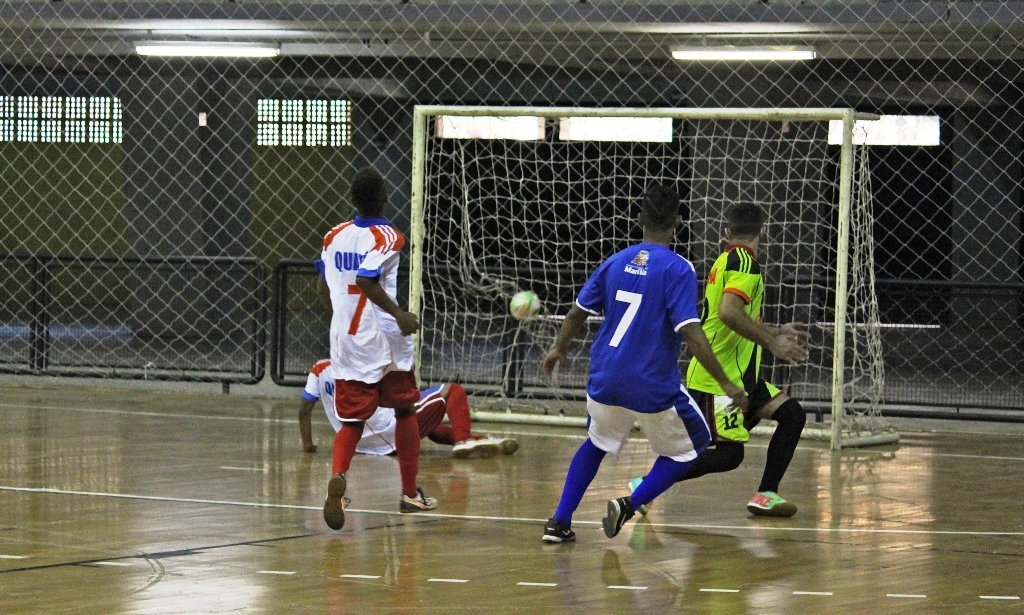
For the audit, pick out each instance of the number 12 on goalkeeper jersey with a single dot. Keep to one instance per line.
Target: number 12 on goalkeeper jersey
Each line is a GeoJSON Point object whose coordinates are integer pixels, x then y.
{"type": "Point", "coordinates": [646, 293]}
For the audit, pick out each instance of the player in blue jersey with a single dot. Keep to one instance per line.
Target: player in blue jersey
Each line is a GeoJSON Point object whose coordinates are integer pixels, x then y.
{"type": "Point", "coordinates": [647, 295]}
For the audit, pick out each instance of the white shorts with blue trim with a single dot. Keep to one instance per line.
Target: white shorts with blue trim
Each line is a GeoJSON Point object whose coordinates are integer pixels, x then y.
{"type": "Point", "coordinates": [679, 433]}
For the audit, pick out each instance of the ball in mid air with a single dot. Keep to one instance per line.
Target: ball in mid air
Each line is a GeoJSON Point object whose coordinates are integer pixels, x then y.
{"type": "Point", "coordinates": [524, 305]}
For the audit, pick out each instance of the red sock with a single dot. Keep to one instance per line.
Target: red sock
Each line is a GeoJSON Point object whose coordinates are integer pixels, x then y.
{"type": "Point", "coordinates": [458, 412]}
{"type": "Point", "coordinates": [407, 441]}
{"type": "Point", "coordinates": [345, 442]}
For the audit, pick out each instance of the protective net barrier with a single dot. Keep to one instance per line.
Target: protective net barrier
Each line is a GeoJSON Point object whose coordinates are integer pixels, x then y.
{"type": "Point", "coordinates": [122, 172]}
{"type": "Point", "coordinates": [503, 216]}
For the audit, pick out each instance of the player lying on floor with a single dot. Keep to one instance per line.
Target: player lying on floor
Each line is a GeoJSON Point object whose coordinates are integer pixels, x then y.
{"type": "Point", "coordinates": [379, 431]}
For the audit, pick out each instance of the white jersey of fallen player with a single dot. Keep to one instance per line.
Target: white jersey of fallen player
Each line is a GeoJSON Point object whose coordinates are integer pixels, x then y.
{"type": "Point", "coordinates": [365, 341]}
{"type": "Point", "coordinates": [379, 431]}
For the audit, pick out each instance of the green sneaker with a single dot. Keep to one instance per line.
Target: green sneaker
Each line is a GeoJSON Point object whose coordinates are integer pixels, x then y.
{"type": "Point", "coordinates": [770, 504]}
{"type": "Point", "coordinates": [633, 484]}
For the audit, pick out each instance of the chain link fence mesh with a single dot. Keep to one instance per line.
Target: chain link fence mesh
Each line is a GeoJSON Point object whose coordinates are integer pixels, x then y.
{"type": "Point", "coordinates": [146, 200]}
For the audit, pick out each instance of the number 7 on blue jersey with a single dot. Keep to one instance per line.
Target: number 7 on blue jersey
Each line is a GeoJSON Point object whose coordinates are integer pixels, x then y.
{"type": "Point", "coordinates": [633, 299]}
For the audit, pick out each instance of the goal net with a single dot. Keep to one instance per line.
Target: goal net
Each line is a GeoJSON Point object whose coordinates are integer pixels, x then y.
{"type": "Point", "coordinates": [511, 199]}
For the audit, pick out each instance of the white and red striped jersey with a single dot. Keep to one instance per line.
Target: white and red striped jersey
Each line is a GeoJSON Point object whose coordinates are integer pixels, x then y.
{"type": "Point", "coordinates": [365, 341]}
{"type": "Point", "coordinates": [379, 431]}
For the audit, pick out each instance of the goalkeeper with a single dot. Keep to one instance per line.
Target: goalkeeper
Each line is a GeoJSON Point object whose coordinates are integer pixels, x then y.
{"type": "Point", "coordinates": [732, 322]}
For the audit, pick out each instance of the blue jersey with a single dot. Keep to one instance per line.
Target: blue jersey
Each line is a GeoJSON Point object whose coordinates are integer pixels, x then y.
{"type": "Point", "coordinates": [646, 294]}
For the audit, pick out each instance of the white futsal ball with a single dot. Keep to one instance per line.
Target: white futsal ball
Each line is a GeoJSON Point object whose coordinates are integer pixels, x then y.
{"type": "Point", "coordinates": [524, 305]}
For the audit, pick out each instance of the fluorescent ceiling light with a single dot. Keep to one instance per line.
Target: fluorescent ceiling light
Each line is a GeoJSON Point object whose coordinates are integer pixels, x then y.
{"type": "Point", "coordinates": [520, 128]}
{"type": "Point", "coordinates": [744, 54]}
{"type": "Point", "coordinates": [922, 130]}
{"type": "Point", "coordinates": [635, 129]}
{"type": "Point", "coordinates": [207, 49]}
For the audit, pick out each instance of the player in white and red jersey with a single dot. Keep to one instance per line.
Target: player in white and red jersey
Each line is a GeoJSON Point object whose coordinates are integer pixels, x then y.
{"type": "Point", "coordinates": [379, 430]}
{"type": "Point", "coordinates": [371, 351]}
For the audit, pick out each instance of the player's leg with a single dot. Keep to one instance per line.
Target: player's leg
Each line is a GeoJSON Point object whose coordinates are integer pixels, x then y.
{"type": "Point", "coordinates": [466, 443]}
{"type": "Point", "coordinates": [458, 414]}
{"type": "Point", "coordinates": [790, 418]}
{"type": "Point", "coordinates": [354, 402]}
{"type": "Point", "coordinates": [728, 433]}
{"type": "Point", "coordinates": [429, 416]}
{"type": "Point", "coordinates": [678, 436]}
{"type": "Point", "coordinates": [722, 456]}
{"type": "Point", "coordinates": [398, 390]}
{"type": "Point", "coordinates": [608, 429]}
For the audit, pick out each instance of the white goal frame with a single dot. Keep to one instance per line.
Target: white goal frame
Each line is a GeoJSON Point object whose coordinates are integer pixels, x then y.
{"type": "Point", "coordinates": [421, 114]}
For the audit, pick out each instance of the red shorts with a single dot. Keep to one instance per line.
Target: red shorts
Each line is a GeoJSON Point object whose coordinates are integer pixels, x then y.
{"type": "Point", "coordinates": [357, 401]}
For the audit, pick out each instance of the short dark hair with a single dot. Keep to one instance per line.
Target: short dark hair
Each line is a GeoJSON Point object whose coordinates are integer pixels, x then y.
{"type": "Point", "coordinates": [369, 192]}
{"type": "Point", "coordinates": [660, 207]}
{"type": "Point", "coordinates": [745, 219]}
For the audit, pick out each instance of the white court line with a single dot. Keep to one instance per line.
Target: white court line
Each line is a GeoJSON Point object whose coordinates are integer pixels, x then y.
{"type": "Point", "coordinates": [632, 587]}
{"type": "Point", "coordinates": [360, 576]}
{"type": "Point", "coordinates": [242, 469]}
{"type": "Point", "coordinates": [13, 556]}
{"type": "Point", "coordinates": [284, 572]}
{"type": "Point", "coordinates": [720, 591]}
{"type": "Point", "coordinates": [121, 564]}
{"type": "Point", "coordinates": [529, 584]}
{"type": "Point", "coordinates": [812, 593]}
{"type": "Point", "coordinates": [208, 417]}
{"type": "Point", "coordinates": [999, 597]}
{"type": "Point", "coordinates": [447, 580]}
{"type": "Point", "coordinates": [905, 596]}
{"type": "Point", "coordinates": [391, 513]}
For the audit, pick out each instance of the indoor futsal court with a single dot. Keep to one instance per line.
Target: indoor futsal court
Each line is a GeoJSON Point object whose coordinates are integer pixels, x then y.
{"type": "Point", "coordinates": [220, 217]}
{"type": "Point", "coordinates": [142, 502]}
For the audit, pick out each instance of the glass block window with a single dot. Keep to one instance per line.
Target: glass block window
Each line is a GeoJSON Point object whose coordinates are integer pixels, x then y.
{"type": "Point", "coordinates": [310, 123]}
{"type": "Point", "coordinates": [60, 119]}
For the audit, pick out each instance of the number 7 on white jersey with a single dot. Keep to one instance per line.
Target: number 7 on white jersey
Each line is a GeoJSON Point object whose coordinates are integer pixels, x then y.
{"type": "Point", "coordinates": [633, 299]}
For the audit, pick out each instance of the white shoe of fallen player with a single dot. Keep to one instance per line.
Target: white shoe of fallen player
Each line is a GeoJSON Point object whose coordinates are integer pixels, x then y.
{"type": "Point", "coordinates": [482, 447]}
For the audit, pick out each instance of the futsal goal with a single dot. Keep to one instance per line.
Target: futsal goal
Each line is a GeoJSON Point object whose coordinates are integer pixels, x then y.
{"type": "Point", "coordinates": [506, 199]}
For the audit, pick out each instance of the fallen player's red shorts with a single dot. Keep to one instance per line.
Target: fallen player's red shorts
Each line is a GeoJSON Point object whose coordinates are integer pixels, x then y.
{"type": "Point", "coordinates": [357, 401]}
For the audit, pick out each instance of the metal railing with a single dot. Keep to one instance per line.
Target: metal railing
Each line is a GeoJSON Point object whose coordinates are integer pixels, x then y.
{"type": "Point", "coordinates": [112, 329]}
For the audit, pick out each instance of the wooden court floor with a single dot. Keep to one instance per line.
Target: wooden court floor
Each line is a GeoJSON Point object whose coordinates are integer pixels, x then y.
{"type": "Point", "coordinates": [143, 502]}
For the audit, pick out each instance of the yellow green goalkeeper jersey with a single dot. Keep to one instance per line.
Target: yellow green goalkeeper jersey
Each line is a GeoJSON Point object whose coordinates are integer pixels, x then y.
{"type": "Point", "coordinates": [735, 271]}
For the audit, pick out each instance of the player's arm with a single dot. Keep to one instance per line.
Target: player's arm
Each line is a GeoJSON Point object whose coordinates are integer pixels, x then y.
{"type": "Point", "coordinates": [698, 344]}
{"type": "Point", "coordinates": [791, 348]}
{"type": "Point", "coordinates": [305, 427]}
{"type": "Point", "coordinates": [559, 353]}
{"type": "Point", "coordinates": [407, 321]}
{"type": "Point", "coordinates": [322, 291]}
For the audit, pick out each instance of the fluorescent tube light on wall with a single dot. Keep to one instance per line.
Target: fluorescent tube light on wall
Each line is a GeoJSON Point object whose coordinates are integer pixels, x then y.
{"type": "Point", "coordinates": [744, 54]}
{"type": "Point", "coordinates": [519, 128]}
{"type": "Point", "coordinates": [921, 130]}
{"type": "Point", "coordinates": [207, 49]}
{"type": "Point", "coordinates": [633, 129]}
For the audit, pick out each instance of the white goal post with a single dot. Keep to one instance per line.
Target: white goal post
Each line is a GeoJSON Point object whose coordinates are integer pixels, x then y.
{"type": "Point", "coordinates": [453, 189]}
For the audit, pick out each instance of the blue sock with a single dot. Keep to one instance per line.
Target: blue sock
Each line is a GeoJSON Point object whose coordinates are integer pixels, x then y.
{"type": "Point", "coordinates": [582, 471]}
{"type": "Point", "coordinates": [663, 475]}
